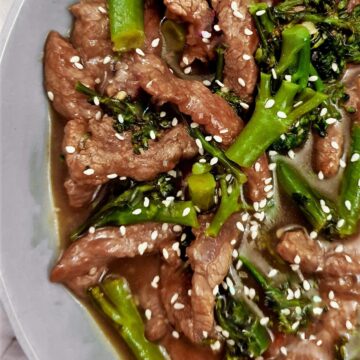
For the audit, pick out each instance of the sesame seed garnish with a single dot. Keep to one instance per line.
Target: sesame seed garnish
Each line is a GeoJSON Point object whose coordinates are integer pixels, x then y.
{"type": "Point", "coordinates": [137, 212]}
{"type": "Point", "coordinates": [112, 176]}
{"type": "Point", "coordinates": [50, 95]}
{"type": "Point", "coordinates": [89, 171]}
{"type": "Point", "coordinates": [152, 134]}
{"type": "Point", "coordinates": [96, 101]}
{"type": "Point", "coordinates": [139, 52]}
{"type": "Point", "coordinates": [208, 138]}
{"type": "Point", "coordinates": [288, 78]}
{"type": "Point", "coordinates": [207, 82]}
{"type": "Point", "coordinates": [262, 203]}
{"type": "Point", "coordinates": [321, 175]}
{"type": "Point", "coordinates": [75, 59]}
{"type": "Point", "coordinates": [224, 131]}
{"type": "Point", "coordinates": [272, 273]}
{"type": "Point", "coordinates": [238, 14]}
{"type": "Point", "coordinates": [155, 281]}
{"type": "Point", "coordinates": [177, 228]}
{"type": "Point", "coordinates": [248, 32]}
{"type": "Point", "coordinates": [281, 115]}
{"type": "Point", "coordinates": [107, 59]}
{"type": "Point", "coordinates": [218, 138]}
{"type": "Point", "coordinates": [348, 258]}
{"type": "Point", "coordinates": [297, 260]}
{"type": "Point", "coordinates": [269, 103]}
{"type": "Point", "coordinates": [91, 230]}
{"type": "Point", "coordinates": [142, 247]}
{"type": "Point", "coordinates": [257, 166]}
{"type": "Point", "coordinates": [273, 73]}
{"type": "Point", "coordinates": [214, 161]}
{"type": "Point", "coordinates": [316, 299]}
{"type": "Point", "coordinates": [272, 166]}
{"type": "Point", "coordinates": [313, 78]}
{"type": "Point", "coordinates": [313, 235]}
{"type": "Point", "coordinates": [97, 81]}
{"type": "Point", "coordinates": [217, 27]}
{"type": "Point", "coordinates": [340, 223]}
{"type": "Point", "coordinates": [297, 294]}
{"type": "Point", "coordinates": [306, 285]}
{"type": "Point", "coordinates": [260, 12]}
{"type": "Point", "coordinates": [98, 115]}
{"type": "Point", "coordinates": [70, 149]}
{"type": "Point", "coordinates": [179, 306]}
{"type": "Point", "coordinates": [78, 65]}
{"type": "Point", "coordinates": [335, 145]}
{"type": "Point", "coordinates": [186, 211]}
{"type": "Point", "coordinates": [154, 235]}
{"type": "Point", "coordinates": [295, 325]}
{"type": "Point", "coordinates": [291, 154]}
{"type": "Point", "coordinates": [323, 111]}
{"type": "Point", "coordinates": [348, 325]}
{"type": "Point", "coordinates": [175, 334]}
{"type": "Point", "coordinates": [215, 290]}
{"type": "Point", "coordinates": [241, 81]}
{"type": "Point", "coordinates": [174, 298]}
{"type": "Point", "coordinates": [244, 105]}
{"type": "Point", "coordinates": [235, 253]}
{"type": "Point", "coordinates": [148, 314]}
{"type": "Point", "coordinates": [339, 248]}
{"type": "Point", "coordinates": [331, 295]}
{"type": "Point", "coordinates": [234, 5]}
{"type": "Point", "coordinates": [334, 305]}
{"type": "Point", "coordinates": [165, 253]}
{"type": "Point", "coordinates": [246, 57]}
{"type": "Point", "coordinates": [119, 136]}
{"type": "Point", "coordinates": [355, 157]}
{"type": "Point", "coordinates": [335, 67]}
{"type": "Point", "coordinates": [319, 342]}
{"type": "Point", "coordinates": [342, 163]}
{"type": "Point", "coordinates": [216, 345]}
{"type": "Point", "coordinates": [122, 230]}
{"type": "Point", "coordinates": [155, 43]}
{"type": "Point", "coordinates": [330, 121]}
{"type": "Point", "coordinates": [102, 10]}
{"type": "Point", "coordinates": [348, 204]}
{"type": "Point", "coordinates": [187, 70]}
{"type": "Point", "coordinates": [283, 350]}
{"type": "Point", "coordinates": [206, 34]}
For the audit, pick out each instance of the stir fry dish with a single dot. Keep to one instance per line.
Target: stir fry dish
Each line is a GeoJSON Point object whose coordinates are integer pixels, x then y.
{"type": "Point", "coordinates": [206, 175]}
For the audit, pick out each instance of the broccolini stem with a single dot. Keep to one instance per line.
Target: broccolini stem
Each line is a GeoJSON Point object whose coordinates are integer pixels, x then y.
{"type": "Point", "coordinates": [116, 303]}
{"type": "Point", "coordinates": [213, 150]}
{"type": "Point", "coordinates": [126, 24]}
{"type": "Point", "coordinates": [202, 190]}
{"type": "Point", "coordinates": [349, 201]}
{"type": "Point", "coordinates": [306, 198]}
{"type": "Point", "coordinates": [220, 62]}
{"type": "Point", "coordinates": [229, 205]}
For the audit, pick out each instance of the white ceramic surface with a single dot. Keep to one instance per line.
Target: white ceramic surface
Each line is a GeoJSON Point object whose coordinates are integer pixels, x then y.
{"type": "Point", "coordinates": [48, 322]}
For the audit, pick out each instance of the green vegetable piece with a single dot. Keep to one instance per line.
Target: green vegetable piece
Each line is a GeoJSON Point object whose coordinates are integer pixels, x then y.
{"type": "Point", "coordinates": [116, 303]}
{"type": "Point", "coordinates": [215, 151]}
{"type": "Point", "coordinates": [301, 192]}
{"type": "Point", "coordinates": [268, 123]}
{"type": "Point", "coordinates": [202, 190]}
{"type": "Point", "coordinates": [299, 310]}
{"type": "Point", "coordinates": [201, 168]}
{"type": "Point", "coordinates": [230, 196]}
{"type": "Point", "coordinates": [126, 24]}
{"type": "Point", "coordinates": [174, 35]}
{"type": "Point", "coordinates": [349, 201]}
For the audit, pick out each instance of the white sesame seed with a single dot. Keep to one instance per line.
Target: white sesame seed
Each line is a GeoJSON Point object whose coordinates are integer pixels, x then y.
{"type": "Point", "coordinates": [319, 342]}
{"type": "Point", "coordinates": [216, 345]}
{"type": "Point", "coordinates": [112, 176]}
{"type": "Point", "coordinates": [238, 14]}
{"type": "Point", "coordinates": [283, 350]}
{"type": "Point", "coordinates": [186, 211]}
{"type": "Point", "coordinates": [248, 32]}
{"type": "Point", "coordinates": [246, 57]}
{"type": "Point", "coordinates": [155, 281]}
{"type": "Point", "coordinates": [139, 52]}
{"type": "Point", "coordinates": [288, 78]}
{"type": "Point", "coordinates": [331, 295]}
{"type": "Point", "coordinates": [218, 138]}
{"type": "Point", "coordinates": [102, 10]}
{"type": "Point", "coordinates": [342, 163]}
{"type": "Point", "coordinates": [75, 59]}
{"type": "Point", "coordinates": [335, 67]}
{"type": "Point", "coordinates": [313, 78]}
{"type": "Point", "coordinates": [262, 203]}
{"type": "Point", "coordinates": [78, 66]}
{"type": "Point", "coordinates": [317, 299]}
{"type": "Point", "coordinates": [217, 27]}
{"type": "Point", "coordinates": [348, 325]}
{"type": "Point", "coordinates": [148, 314]}
{"type": "Point", "coordinates": [207, 82]}
{"type": "Point", "coordinates": [313, 235]}
{"type": "Point", "coordinates": [297, 260]}
{"type": "Point", "coordinates": [295, 325]}
{"type": "Point", "coordinates": [257, 166]}
{"type": "Point", "coordinates": [177, 228]}
{"type": "Point", "coordinates": [187, 70]}
{"type": "Point", "coordinates": [297, 294]}
{"type": "Point", "coordinates": [306, 285]}
{"type": "Point", "coordinates": [224, 131]}
{"type": "Point", "coordinates": [175, 334]}
{"type": "Point", "coordinates": [348, 204]}
{"type": "Point", "coordinates": [272, 166]}
{"type": "Point", "coordinates": [179, 306]}
{"type": "Point", "coordinates": [269, 103]}
{"type": "Point", "coordinates": [335, 145]}
{"type": "Point", "coordinates": [119, 136]}
{"type": "Point", "coordinates": [214, 161]}
{"type": "Point", "coordinates": [174, 298]}
{"type": "Point", "coordinates": [235, 253]}
{"type": "Point", "coordinates": [91, 230]}
{"type": "Point", "coordinates": [273, 153]}
{"type": "Point", "coordinates": [321, 175]}
{"type": "Point", "coordinates": [273, 73]}
{"type": "Point", "coordinates": [272, 273]}
{"type": "Point", "coordinates": [281, 115]}
{"type": "Point", "coordinates": [50, 95]}
{"type": "Point", "coordinates": [206, 34]}
{"type": "Point", "coordinates": [323, 111]}
{"type": "Point", "coordinates": [334, 305]}
{"type": "Point", "coordinates": [260, 12]}
{"type": "Point", "coordinates": [298, 104]}
{"type": "Point", "coordinates": [339, 248]}
{"type": "Point", "coordinates": [107, 59]}
{"type": "Point", "coordinates": [165, 253]}
{"type": "Point", "coordinates": [291, 154]}
{"type": "Point", "coordinates": [215, 290]}
{"type": "Point", "coordinates": [142, 248]}
{"type": "Point", "coordinates": [96, 101]}
{"type": "Point", "coordinates": [330, 121]}
{"type": "Point", "coordinates": [137, 212]}
{"type": "Point", "coordinates": [155, 43]}
{"type": "Point", "coordinates": [348, 258]}
{"type": "Point", "coordinates": [234, 5]}
{"type": "Point", "coordinates": [340, 223]}
{"type": "Point", "coordinates": [355, 157]}
{"type": "Point", "coordinates": [70, 149]}
{"type": "Point", "coordinates": [89, 171]}
{"type": "Point", "coordinates": [241, 81]}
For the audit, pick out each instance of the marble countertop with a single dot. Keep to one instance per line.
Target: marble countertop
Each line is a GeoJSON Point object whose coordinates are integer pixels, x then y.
{"type": "Point", "coordinates": [9, 347]}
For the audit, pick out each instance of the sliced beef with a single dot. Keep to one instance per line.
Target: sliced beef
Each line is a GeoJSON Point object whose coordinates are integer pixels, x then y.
{"type": "Point", "coordinates": [199, 17]}
{"type": "Point", "coordinates": [257, 176]}
{"type": "Point", "coordinates": [327, 332]}
{"type": "Point", "coordinates": [98, 149]}
{"type": "Point", "coordinates": [85, 260]}
{"type": "Point", "coordinates": [61, 76]}
{"type": "Point", "coordinates": [240, 36]}
{"type": "Point", "coordinates": [328, 150]}
{"type": "Point", "coordinates": [91, 37]}
{"type": "Point", "coordinates": [152, 27]}
{"type": "Point", "coordinates": [79, 195]}
{"type": "Point", "coordinates": [338, 266]}
{"type": "Point", "coordinates": [192, 98]}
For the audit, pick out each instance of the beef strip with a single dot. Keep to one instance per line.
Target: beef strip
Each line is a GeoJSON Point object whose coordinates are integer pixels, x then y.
{"type": "Point", "coordinates": [79, 195]}
{"type": "Point", "coordinates": [152, 27]}
{"type": "Point", "coordinates": [337, 266]}
{"type": "Point", "coordinates": [328, 150]}
{"type": "Point", "coordinates": [327, 332]}
{"type": "Point", "coordinates": [61, 76]}
{"type": "Point", "coordinates": [91, 37]}
{"type": "Point", "coordinates": [199, 18]}
{"type": "Point", "coordinates": [97, 148]}
{"type": "Point", "coordinates": [85, 260]}
{"type": "Point", "coordinates": [256, 183]}
{"type": "Point", "coordinates": [240, 36]}
{"type": "Point", "coordinates": [192, 98]}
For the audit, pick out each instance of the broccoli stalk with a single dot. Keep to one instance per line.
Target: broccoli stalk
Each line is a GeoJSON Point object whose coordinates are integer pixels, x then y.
{"type": "Point", "coordinates": [113, 298]}
{"type": "Point", "coordinates": [230, 195]}
{"type": "Point", "coordinates": [140, 204]}
{"type": "Point", "coordinates": [308, 200]}
{"type": "Point", "coordinates": [292, 313]}
{"type": "Point", "coordinates": [273, 116]}
{"type": "Point", "coordinates": [251, 339]}
{"type": "Point", "coordinates": [349, 201]}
